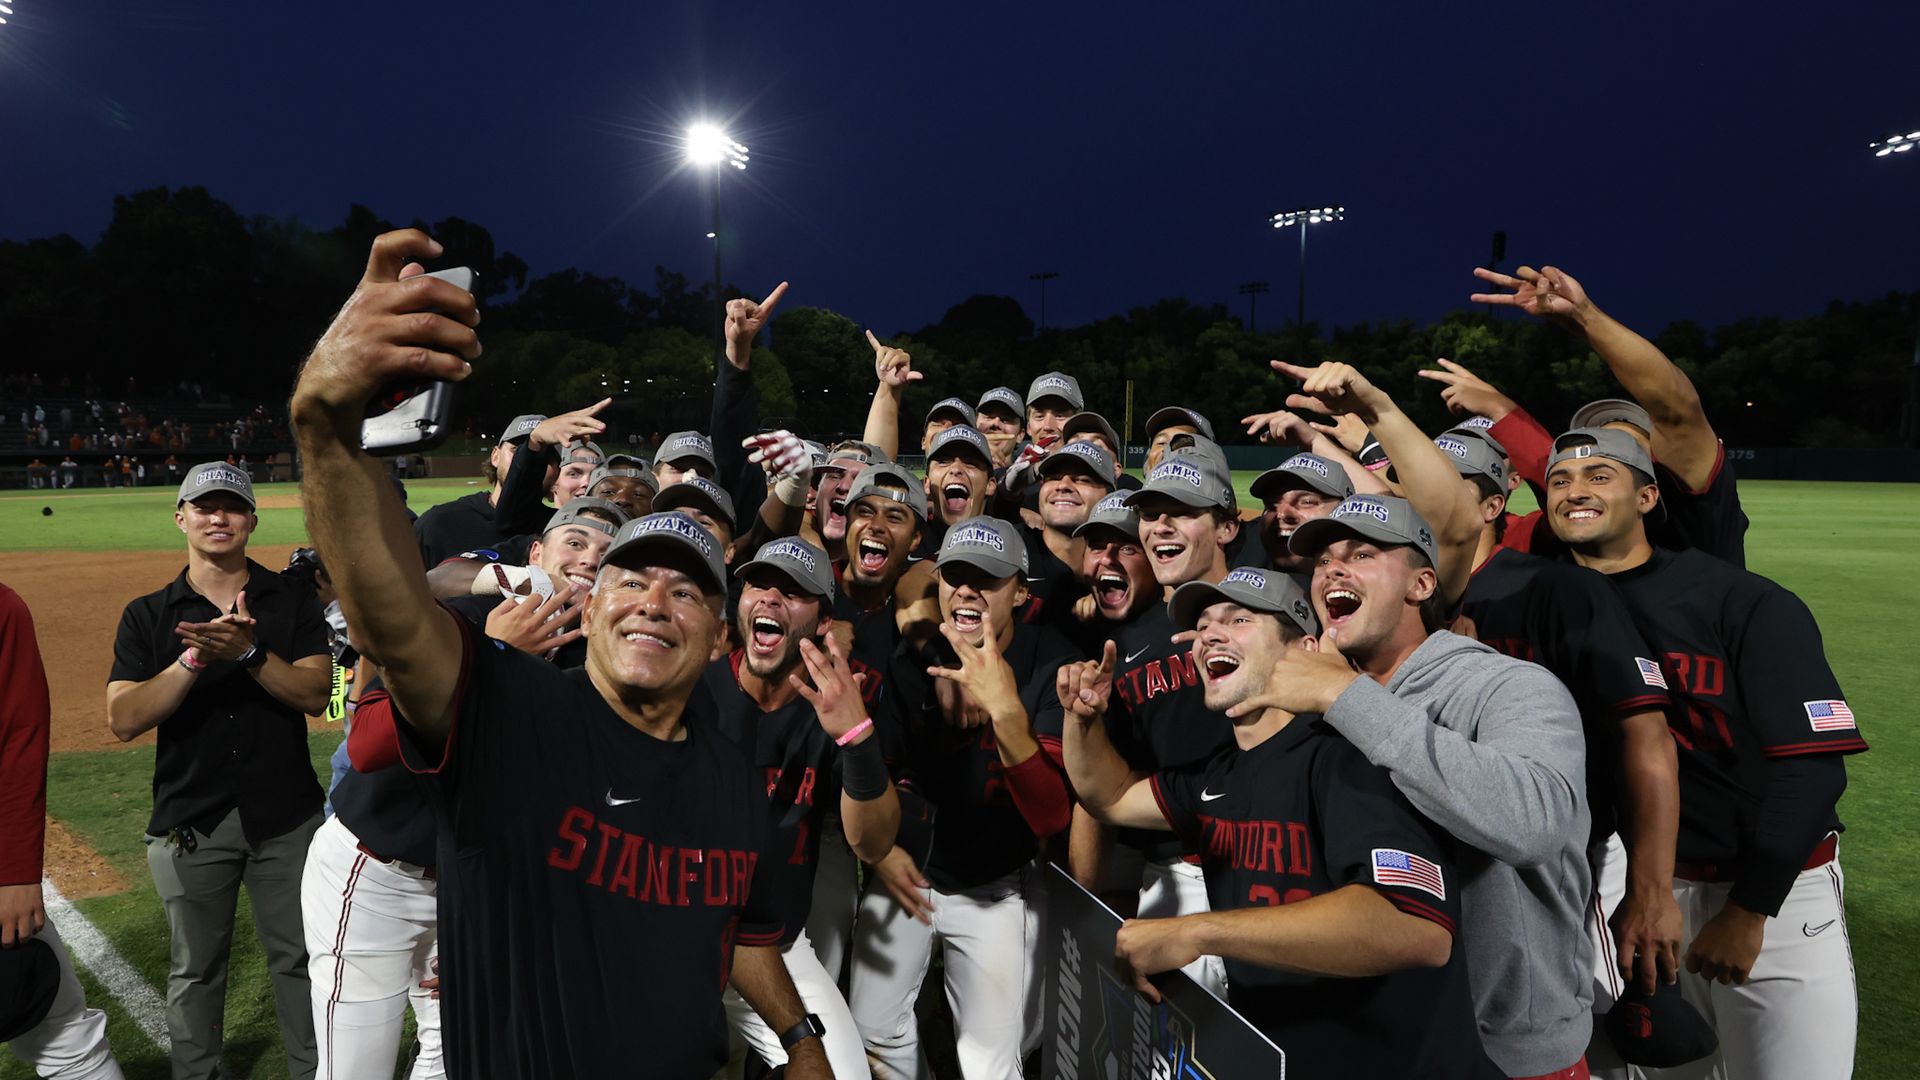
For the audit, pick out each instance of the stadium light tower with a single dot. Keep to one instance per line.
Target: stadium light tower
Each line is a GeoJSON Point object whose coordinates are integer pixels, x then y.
{"type": "Point", "coordinates": [710, 148]}
{"type": "Point", "coordinates": [1303, 217]}
{"type": "Point", "coordinates": [1895, 144]}
{"type": "Point", "coordinates": [6, 8]}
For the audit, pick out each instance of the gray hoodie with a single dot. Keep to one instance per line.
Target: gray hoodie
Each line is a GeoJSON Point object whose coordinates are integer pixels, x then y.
{"type": "Point", "coordinates": [1490, 748]}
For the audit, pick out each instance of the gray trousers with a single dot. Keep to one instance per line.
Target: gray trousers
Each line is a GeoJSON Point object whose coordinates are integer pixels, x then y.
{"type": "Point", "coordinates": [200, 889]}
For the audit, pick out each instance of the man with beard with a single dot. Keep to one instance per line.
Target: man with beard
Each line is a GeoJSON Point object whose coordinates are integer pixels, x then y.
{"type": "Point", "coordinates": [826, 526]}
{"type": "Point", "coordinates": [1001, 415]}
{"type": "Point", "coordinates": [1762, 731]}
{"type": "Point", "coordinates": [959, 479]}
{"type": "Point", "coordinates": [997, 790]}
{"type": "Point", "coordinates": [1338, 919]}
{"type": "Point", "coordinates": [1486, 746]}
{"type": "Point", "coordinates": [787, 697]}
{"type": "Point", "coordinates": [1303, 487]}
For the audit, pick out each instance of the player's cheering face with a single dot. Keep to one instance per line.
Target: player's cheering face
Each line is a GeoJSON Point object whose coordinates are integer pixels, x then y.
{"type": "Point", "coordinates": [572, 481]}
{"type": "Point", "coordinates": [1287, 513]}
{"type": "Point", "coordinates": [1067, 497]}
{"type": "Point", "coordinates": [880, 536]}
{"type": "Point", "coordinates": [1002, 427]}
{"type": "Point", "coordinates": [1235, 653]}
{"type": "Point", "coordinates": [571, 553]}
{"type": "Point", "coordinates": [1365, 592]}
{"type": "Point", "coordinates": [1115, 568]}
{"type": "Point", "coordinates": [775, 615]}
{"type": "Point", "coordinates": [971, 599]}
{"type": "Point", "coordinates": [830, 500]}
{"type": "Point", "coordinates": [1045, 420]}
{"type": "Point", "coordinates": [651, 629]}
{"type": "Point", "coordinates": [625, 492]}
{"type": "Point", "coordinates": [1183, 543]}
{"type": "Point", "coordinates": [958, 485]}
{"type": "Point", "coordinates": [1596, 501]}
{"type": "Point", "coordinates": [216, 523]}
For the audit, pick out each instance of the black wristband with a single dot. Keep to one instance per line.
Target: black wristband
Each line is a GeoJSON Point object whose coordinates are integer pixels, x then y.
{"type": "Point", "coordinates": [863, 770]}
{"type": "Point", "coordinates": [255, 655]}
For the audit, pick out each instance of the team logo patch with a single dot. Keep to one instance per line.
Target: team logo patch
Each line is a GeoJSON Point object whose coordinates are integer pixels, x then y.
{"type": "Point", "coordinates": [793, 549]}
{"type": "Point", "coordinates": [1479, 422]}
{"type": "Point", "coordinates": [221, 476]}
{"type": "Point", "coordinates": [1005, 397]}
{"type": "Point", "coordinates": [1451, 445]}
{"type": "Point", "coordinates": [1084, 450]}
{"type": "Point", "coordinates": [955, 404]}
{"type": "Point", "coordinates": [1830, 716]}
{"type": "Point", "coordinates": [1252, 577]}
{"type": "Point", "coordinates": [1650, 673]}
{"type": "Point", "coordinates": [1359, 506]}
{"type": "Point", "coordinates": [962, 433]}
{"type": "Point", "coordinates": [699, 444]}
{"type": "Point", "coordinates": [1586, 450]}
{"type": "Point", "coordinates": [1307, 463]}
{"type": "Point", "coordinates": [1115, 504]}
{"type": "Point", "coordinates": [1391, 866]}
{"type": "Point", "coordinates": [979, 535]}
{"type": "Point", "coordinates": [676, 523]}
{"type": "Point", "coordinates": [1052, 382]}
{"type": "Point", "coordinates": [701, 483]}
{"type": "Point", "coordinates": [1178, 470]}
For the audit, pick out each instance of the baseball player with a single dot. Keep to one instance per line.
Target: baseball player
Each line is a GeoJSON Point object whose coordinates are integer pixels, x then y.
{"type": "Point", "coordinates": [788, 698]}
{"type": "Point", "coordinates": [826, 526]}
{"type": "Point", "coordinates": [1001, 415]}
{"type": "Point", "coordinates": [683, 454]}
{"type": "Point", "coordinates": [69, 1039]}
{"type": "Point", "coordinates": [996, 791]}
{"type": "Point", "coordinates": [1114, 567]}
{"type": "Point", "coordinates": [1072, 478]}
{"type": "Point", "coordinates": [474, 521]}
{"type": "Point", "coordinates": [959, 479]}
{"type": "Point", "coordinates": [630, 487]}
{"type": "Point", "coordinates": [1301, 488]}
{"type": "Point", "coordinates": [1762, 729]}
{"type": "Point", "coordinates": [945, 414]}
{"type": "Point", "coordinates": [1094, 428]}
{"type": "Point", "coordinates": [1167, 422]}
{"type": "Point", "coordinates": [1335, 905]}
{"type": "Point", "coordinates": [598, 851]}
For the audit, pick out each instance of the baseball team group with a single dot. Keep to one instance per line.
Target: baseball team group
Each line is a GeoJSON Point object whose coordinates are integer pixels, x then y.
{"type": "Point", "coordinates": [690, 765]}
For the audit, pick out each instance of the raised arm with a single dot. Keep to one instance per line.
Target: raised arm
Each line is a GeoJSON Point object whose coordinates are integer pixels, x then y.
{"type": "Point", "coordinates": [1683, 440]}
{"type": "Point", "coordinates": [869, 806]}
{"type": "Point", "coordinates": [1106, 786]}
{"type": "Point", "coordinates": [390, 330]}
{"type": "Point", "coordinates": [735, 405]}
{"type": "Point", "coordinates": [892, 371]}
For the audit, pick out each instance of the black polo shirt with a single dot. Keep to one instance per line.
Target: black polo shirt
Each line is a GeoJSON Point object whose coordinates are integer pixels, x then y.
{"type": "Point", "coordinates": [230, 743]}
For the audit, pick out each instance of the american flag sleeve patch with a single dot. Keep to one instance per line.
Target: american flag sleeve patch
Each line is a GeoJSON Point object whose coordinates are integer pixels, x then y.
{"type": "Point", "coordinates": [1391, 866]}
{"type": "Point", "coordinates": [1830, 716]}
{"type": "Point", "coordinates": [1650, 673]}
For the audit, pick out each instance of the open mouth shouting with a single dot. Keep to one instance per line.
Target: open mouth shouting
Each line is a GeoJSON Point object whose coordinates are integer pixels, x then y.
{"type": "Point", "coordinates": [1341, 604]}
{"type": "Point", "coordinates": [1113, 591]}
{"type": "Point", "coordinates": [954, 499]}
{"type": "Point", "coordinates": [1218, 664]}
{"type": "Point", "coordinates": [766, 636]}
{"type": "Point", "coordinates": [968, 620]}
{"type": "Point", "coordinates": [1167, 552]}
{"type": "Point", "coordinates": [871, 555]}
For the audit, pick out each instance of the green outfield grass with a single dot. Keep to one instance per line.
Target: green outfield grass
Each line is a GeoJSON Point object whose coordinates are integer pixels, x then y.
{"type": "Point", "coordinates": [1848, 549]}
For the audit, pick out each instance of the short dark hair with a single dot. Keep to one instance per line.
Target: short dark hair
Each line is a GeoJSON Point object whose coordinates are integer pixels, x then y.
{"type": "Point", "coordinates": [1640, 479]}
{"type": "Point", "coordinates": [1435, 612]}
{"type": "Point", "coordinates": [1488, 489]}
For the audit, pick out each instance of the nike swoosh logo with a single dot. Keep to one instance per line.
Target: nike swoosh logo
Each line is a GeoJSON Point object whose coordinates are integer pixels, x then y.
{"type": "Point", "coordinates": [611, 801]}
{"type": "Point", "coordinates": [1814, 931]}
{"type": "Point", "coordinates": [1206, 796]}
{"type": "Point", "coordinates": [1132, 656]}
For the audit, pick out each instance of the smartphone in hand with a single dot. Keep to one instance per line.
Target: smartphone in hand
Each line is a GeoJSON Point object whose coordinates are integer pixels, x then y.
{"type": "Point", "coordinates": [411, 417]}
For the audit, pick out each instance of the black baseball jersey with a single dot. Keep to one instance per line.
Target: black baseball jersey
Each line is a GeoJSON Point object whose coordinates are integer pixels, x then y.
{"type": "Point", "coordinates": [799, 765]}
{"type": "Point", "coordinates": [594, 880]}
{"type": "Point", "coordinates": [932, 531]}
{"type": "Point", "coordinates": [1708, 520]}
{"type": "Point", "coordinates": [979, 834]}
{"type": "Point", "coordinates": [1301, 815]}
{"type": "Point", "coordinates": [1052, 586]}
{"type": "Point", "coordinates": [1572, 622]}
{"type": "Point", "coordinates": [1158, 716]}
{"type": "Point", "coordinates": [1744, 661]}
{"type": "Point", "coordinates": [876, 634]}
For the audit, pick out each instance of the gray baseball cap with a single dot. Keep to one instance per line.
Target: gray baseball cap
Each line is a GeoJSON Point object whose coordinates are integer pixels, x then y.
{"type": "Point", "coordinates": [1477, 423]}
{"type": "Point", "coordinates": [520, 427]}
{"type": "Point", "coordinates": [1056, 384]}
{"type": "Point", "coordinates": [1193, 481]}
{"type": "Point", "coordinates": [803, 564]}
{"type": "Point", "coordinates": [1111, 512]}
{"type": "Point", "coordinates": [202, 480]}
{"type": "Point", "coordinates": [960, 438]}
{"type": "Point", "coordinates": [685, 445]}
{"type": "Point", "coordinates": [989, 543]}
{"type": "Point", "coordinates": [890, 481]}
{"type": "Point", "coordinates": [1303, 472]}
{"type": "Point", "coordinates": [644, 475]}
{"type": "Point", "coordinates": [583, 450]}
{"type": "Point", "coordinates": [955, 407]}
{"type": "Point", "coordinates": [1607, 410]}
{"type": "Point", "coordinates": [1256, 590]}
{"type": "Point", "coordinates": [1083, 423]}
{"type": "Point", "coordinates": [1176, 416]}
{"type": "Point", "coordinates": [1383, 519]}
{"type": "Point", "coordinates": [580, 511]}
{"type": "Point", "coordinates": [1006, 398]}
{"type": "Point", "coordinates": [1202, 448]}
{"type": "Point", "coordinates": [1485, 435]}
{"type": "Point", "coordinates": [1471, 456]}
{"type": "Point", "coordinates": [670, 532]}
{"type": "Point", "coordinates": [1610, 443]}
{"type": "Point", "coordinates": [621, 458]}
{"type": "Point", "coordinates": [840, 455]}
{"type": "Point", "coordinates": [1085, 456]}
{"type": "Point", "coordinates": [700, 493]}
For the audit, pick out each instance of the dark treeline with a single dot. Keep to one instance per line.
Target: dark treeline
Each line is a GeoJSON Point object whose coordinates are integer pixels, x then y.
{"type": "Point", "coordinates": [180, 285]}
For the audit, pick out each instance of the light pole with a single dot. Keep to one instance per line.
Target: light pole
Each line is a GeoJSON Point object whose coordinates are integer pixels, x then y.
{"type": "Point", "coordinates": [1043, 276]}
{"type": "Point", "coordinates": [708, 147]}
{"type": "Point", "coordinates": [1303, 217]}
{"type": "Point", "coordinates": [1891, 145]}
{"type": "Point", "coordinates": [1252, 290]}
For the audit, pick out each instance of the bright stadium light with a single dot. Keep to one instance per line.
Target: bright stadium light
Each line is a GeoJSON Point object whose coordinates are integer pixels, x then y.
{"type": "Point", "coordinates": [1895, 144]}
{"type": "Point", "coordinates": [1303, 217]}
{"type": "Point", "coordinates": [708, 145]}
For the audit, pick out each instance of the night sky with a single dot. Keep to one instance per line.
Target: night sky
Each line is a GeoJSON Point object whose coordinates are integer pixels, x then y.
{"type": "Point", "coordinates": [1688, 160]}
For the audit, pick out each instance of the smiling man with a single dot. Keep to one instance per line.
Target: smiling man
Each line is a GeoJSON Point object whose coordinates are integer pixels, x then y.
{"type": "Point", "coordinates": [598, 851]}
{"type": "Point", "coordinates": [959, 479]}
{"type": "Point", "coordinates": [1486, 746]}
{"type": "Point", "coordinates": [1001, 415]}
{"type": "Point", "coordinates": [1301, 488]}
{"type": "Point", "coordinates": [1338, 922]}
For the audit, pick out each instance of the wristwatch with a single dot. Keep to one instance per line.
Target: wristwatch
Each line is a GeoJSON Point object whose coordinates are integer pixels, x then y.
{"type": "Point", "coordinates": [809, 1027]}
{"type": "Point", "coordinates": [253, 657]}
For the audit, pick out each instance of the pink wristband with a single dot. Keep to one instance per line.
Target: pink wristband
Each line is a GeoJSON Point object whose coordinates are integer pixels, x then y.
{"type": "Point", "coordinates": [191, 660]}
{"type": "Point", "coordinates": [854, 732]}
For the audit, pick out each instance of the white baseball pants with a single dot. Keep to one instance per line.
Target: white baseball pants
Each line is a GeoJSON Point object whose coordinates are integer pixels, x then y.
{"type": "Point", "coordinates": [70, 1042]}
{"type": "Point", "coordinates": [1797, 1015]}
{"type": "Point", "coordinates": [1172, 887]}
{"type": "Point", "coordinates": [1609, 862]}
{"type": "Point", "coordinates": [821, 996]}
{"type": "Point", "coordinates": [372, 933]}
{"type": "Point", "coordinates": [836, 898]}
{"type": "Point", "coordinates": [983, 935]}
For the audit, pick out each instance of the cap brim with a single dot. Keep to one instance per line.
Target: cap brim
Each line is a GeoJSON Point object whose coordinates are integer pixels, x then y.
{"type": "Point", "coordinates": [634, 551]}
{"type": "Point", "coordinates": [1314, 536]}
{"type": "Point", "coordinates": [1277, 482]}
{"type": "Point", "coordinates": [1091, 524]}
{"type": "Point", "coordinates": [696, 500]}
{"type": "Point", "coordinates": [237, 493]}
{"type": "Point", "coordinates": [1075, 463]}
{"type": "Point", "coordinates": [1189, 600]}
{"type": "Point", "coordinates": [1185, 495]}
{"type": "Point", "coordinates": [993, 564]}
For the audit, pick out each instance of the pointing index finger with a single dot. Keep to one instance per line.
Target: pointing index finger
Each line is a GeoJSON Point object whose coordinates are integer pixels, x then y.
{"type": "Point", "coordinates": [1290, 370]}
{"type": "Point", "coordinates": [772, 301]}
{"type": "Point", "coordinates": [1106, 658]}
